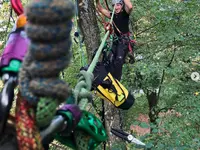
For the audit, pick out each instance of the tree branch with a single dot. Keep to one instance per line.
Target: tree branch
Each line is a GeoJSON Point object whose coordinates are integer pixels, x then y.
{"type": "Point", "coordinates": [148, 28]}
{"type": "Point", "coordinates": [162, 79]}
{"type": "Point", "coordinates": [173, 54]}
{"type": "Point", "coordinates": [165, 109]}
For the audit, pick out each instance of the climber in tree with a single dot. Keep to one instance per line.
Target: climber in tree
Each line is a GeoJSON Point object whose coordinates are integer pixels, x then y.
{"type": "Point", "coordinates": [121, 46]}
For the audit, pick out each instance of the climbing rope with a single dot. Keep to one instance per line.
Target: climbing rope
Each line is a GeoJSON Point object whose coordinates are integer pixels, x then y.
{"type": "Point", "coordinates": [82, 96]}
{"type": "Point", "coordinates": [48, 55]}
{"type": "Point", "coordinates": [81, 93]}
{"type": "Point", "coordinates": [27, 132]}
{"type": "Point", "coordinates": [38, 83]}
{"type": "Point", "coordinates": [40, 89]}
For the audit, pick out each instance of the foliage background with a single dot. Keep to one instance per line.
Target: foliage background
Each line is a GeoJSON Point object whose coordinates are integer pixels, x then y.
{"type": "Point", "coordinates": [168, 41]}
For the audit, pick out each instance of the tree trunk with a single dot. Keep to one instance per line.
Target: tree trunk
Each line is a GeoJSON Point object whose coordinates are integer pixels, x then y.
{"type": "Point", "coordinates": [113, 119]}
{"type": "Point", "coordinates": [90, 31]}
{"type": "Point", "coordinates": [152, 98]}
{"type": "Point", "coordinates": [88, 25]}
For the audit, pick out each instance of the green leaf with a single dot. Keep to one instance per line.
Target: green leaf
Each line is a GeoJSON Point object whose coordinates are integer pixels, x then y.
{"type": "Point", "coordinates": [149, 145]}
{"type": "Point", "coordinates": [144, 125]}
{"type": "Point", "coordinates": [155, 130]}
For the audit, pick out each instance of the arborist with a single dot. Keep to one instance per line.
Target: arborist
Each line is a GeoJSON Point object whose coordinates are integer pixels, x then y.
{"type": "Point", "coordinates": [120, 47]}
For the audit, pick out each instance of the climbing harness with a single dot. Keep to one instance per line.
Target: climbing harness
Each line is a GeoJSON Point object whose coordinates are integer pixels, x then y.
{"type": "Point", "coordinates": [127, 37]}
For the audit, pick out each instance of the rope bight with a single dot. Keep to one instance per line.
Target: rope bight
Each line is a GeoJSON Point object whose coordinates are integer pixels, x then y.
{"type": "Point", "coordinates": [49, 53]}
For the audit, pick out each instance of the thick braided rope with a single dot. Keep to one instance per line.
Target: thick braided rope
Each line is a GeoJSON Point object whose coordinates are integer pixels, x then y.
{"type": "Point", "coordinates": [49, 53]}
{"type": "Point", "coordinates": [28, 136]}
{"type": "Point", "coordinates": [48, 29]}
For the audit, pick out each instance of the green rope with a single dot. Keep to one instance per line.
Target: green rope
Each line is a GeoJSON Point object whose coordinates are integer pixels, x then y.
{"type": "Point", "coordinates": [96, 57]}
{"type": "Point", "coordinates": [81, 91]}
{"type": "Point", "coordinates": [84, 85]}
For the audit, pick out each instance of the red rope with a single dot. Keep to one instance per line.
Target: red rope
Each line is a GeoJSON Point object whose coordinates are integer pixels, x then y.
{"type": "Point", "coordinates": [28, 135]}
{"type": "Point", "coordinates": [17, 6]}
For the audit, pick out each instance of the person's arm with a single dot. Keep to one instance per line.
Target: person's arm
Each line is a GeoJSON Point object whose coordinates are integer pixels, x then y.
{"type": "Point", "coordinates": [128, 6]}
{"type": "Point", "coordinates": [104, 11]}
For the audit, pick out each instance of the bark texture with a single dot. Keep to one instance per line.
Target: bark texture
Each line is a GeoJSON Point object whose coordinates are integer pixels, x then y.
{"type": "Point", "coordinates": [88, 26]}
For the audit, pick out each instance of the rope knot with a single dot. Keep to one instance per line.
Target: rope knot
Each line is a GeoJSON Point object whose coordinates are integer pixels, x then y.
{"type": "Point", "coordinates": [82, 89]}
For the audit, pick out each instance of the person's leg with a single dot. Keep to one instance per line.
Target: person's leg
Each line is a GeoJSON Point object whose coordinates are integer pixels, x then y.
{"type": "Point", "coordinates": [120, 54]}
{"type": "Point", "coordinates": [110, 58]}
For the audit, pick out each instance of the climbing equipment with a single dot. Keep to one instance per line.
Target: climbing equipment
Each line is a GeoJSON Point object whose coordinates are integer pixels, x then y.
{"type": "Point", "coordinates": [106, 3]}
{"type": "Point", "coordinates": [39, 83]}
{"type": "Point", "coordinates": [117, 1]}
{"type": "Point", "coordinates": [15, 49]}
{"type": "Point", "coordinates": [108, 88]}
{"type": "Point", "coordinates": [89, 126]}
{"type": "Point", "coordinates": [28, 135]}
{"type": "Point", "coordinates": [21, 21]}
{"type": "Point", "coordinates": [7, 95]}
{"type": "Point", "coordinates": [88, 75]}
{"type": "Point", "coordinates": [17, 6]}
{"type": "Point", "coordinates": [127, 37]}
{"type": "Point", "coordinates": [10, 63]}
{"type": "Point", "coordinates": [113, 91]}
{"type": "Point", "coordinates": [41, 91]}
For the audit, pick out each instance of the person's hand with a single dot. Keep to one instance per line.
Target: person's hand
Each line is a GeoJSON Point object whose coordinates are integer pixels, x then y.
{"type": "Point", "coordinates": [108, 26]}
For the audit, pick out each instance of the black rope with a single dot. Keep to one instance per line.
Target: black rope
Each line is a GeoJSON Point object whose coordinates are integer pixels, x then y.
{"type": "Point", "coordinates": [11, 15]}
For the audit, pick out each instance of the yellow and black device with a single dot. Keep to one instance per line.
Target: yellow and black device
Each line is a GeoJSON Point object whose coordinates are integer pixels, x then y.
{"type": "Point", "coordinates": [109, 88]}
